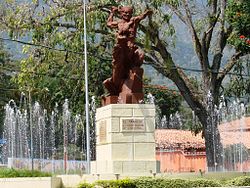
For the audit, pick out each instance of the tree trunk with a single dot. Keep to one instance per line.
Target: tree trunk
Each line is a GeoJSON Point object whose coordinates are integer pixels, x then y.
{"type": "Point", "coordinates": [213, 148]}
{"type": "Point", "coordinates": [206, 112]}
{"type": "Point", "coordinates": [212, 136]}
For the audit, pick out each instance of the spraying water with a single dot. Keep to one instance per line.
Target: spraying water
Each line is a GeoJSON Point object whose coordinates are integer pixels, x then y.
{"type": "Point", "coordinates": [43, 141]}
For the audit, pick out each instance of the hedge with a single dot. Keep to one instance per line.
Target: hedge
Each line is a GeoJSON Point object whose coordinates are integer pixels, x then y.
{"type": "Point", "coordinates": [14, 173]}
{"type": "Point", "coordinates": [150, 182]}
{"type": "Point", "coordinates": [239, 181]}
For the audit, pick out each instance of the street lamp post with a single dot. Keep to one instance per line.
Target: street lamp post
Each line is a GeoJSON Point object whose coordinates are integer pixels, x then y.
{"type": "Point", "coordinates": [86, 89]}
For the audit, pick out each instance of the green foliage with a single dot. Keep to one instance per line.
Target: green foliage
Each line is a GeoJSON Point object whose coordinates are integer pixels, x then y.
{"type": "Point", "coordinates": [239, 181]}
{"type": "Point", "coordinates": [54, 68]}
{"type": "Point", "coordinates": [125, 183]}
{"type": "Point", "coordinates": [167, 100]}
{"type": "Point", "coordinates": [51, 75]}
{"type": "Point", "coordinates": [14, 173]}
{"type": "Point", "coordinates": [85, 185]}
{"type": "Point", "coordinates": [8, 90]}
{"type": "Point", "coordinates": [4, 55]}
{"type": "Point", "coordinates": [238, 16]}
{"type": "Point", "coordinates": [204, 183]}
{"type": "Point", "coordinates": [161, 182]}
{"type": "Point", "coordinates": [239, 84]}
{"type": "Point", "coordinates": [149, 182]}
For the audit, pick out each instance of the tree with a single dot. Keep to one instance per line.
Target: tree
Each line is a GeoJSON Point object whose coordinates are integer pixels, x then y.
{"type": "Point", "coordinates": [209, 40]}
{"type": "Point", "coordinates": [53, 70]}
{"type": "Point", "coordinates": [59, 24]}
{"type": "Point", "coordinates": [162, 94]}
{"type": "Point", "coordinates": [8, 90]}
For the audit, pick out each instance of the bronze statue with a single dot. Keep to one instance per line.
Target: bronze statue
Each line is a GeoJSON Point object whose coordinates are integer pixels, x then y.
{"type": "Point", "coordinates": [126, 77]}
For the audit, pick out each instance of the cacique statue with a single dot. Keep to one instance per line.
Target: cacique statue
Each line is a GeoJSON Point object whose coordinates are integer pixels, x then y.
{"type": "Point", "coordinates": [125, 85]}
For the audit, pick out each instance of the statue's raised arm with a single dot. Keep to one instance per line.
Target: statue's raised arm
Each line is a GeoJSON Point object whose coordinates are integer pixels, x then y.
{"type": "Point", "coordinates": [110, 22]}
{"type": "Point", "coordinates": [143, 15]}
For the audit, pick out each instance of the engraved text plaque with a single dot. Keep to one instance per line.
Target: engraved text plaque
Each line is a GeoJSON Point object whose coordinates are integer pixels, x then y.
{"type": "Point", "coordinates": [102, 132]}
{"type": "Point", "coordinates": [133, 125]}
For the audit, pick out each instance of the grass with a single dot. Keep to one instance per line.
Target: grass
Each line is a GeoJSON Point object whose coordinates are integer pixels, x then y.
{"type": "Point", "coordinates": [14, 173]}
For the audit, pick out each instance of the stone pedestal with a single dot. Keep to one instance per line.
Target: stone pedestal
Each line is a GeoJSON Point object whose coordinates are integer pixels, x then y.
{"type": "Point", "coordinates": [125, 140]}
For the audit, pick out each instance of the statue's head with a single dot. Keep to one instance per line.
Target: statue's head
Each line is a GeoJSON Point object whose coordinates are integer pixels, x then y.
{"type": "Point", "coordinates": [126, 12]}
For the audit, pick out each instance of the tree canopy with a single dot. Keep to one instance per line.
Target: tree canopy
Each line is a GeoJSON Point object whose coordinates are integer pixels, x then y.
{"type": "Point", "coordinates": [54, 68]}
{"type": "Point", "coordinates": [238, 16]}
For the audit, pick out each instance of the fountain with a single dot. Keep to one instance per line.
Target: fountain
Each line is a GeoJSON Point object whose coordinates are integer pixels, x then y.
{"type": "Point", "coordinates": [52, 141]}
{"type": "Point", "coordinates": [231, 120]}
{"type": "Point", "coordinates": [233, 130]}
{"type": "Point", "coordinates": [234, 134]}
{"type": "Point", "coordinates": [36, 139]}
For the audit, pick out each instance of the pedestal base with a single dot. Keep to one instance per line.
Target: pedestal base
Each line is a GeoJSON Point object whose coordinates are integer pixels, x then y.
{"type": "Point", "coordinates": [125, 167]}
{"type": "Point", "coordinates": [123, 98]}
{"type": "Point", "coordinates": [125, 141]}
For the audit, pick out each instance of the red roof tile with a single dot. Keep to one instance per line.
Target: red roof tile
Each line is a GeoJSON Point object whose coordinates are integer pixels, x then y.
{"type": "Point", "coordinates": [234, 132]}
{"type": "Point", "coordinates": [239, 124]}
{"type": "Point", "coordinates": [174, 139]}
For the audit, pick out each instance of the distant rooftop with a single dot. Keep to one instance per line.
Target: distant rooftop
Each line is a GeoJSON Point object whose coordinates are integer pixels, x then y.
{"type": "Point", "coordinates": [234, 132]}
{"type": "Point", "coordinates": [177, 139]}
{"type": "Point", "coordinates": [242, 124]}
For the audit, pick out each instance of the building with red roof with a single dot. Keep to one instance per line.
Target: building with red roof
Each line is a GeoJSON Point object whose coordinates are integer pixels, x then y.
{"type": "Point", "coordinates": [235, 137]}
{"type": "Point", "coordinates": [180, 150]}
{"type": "Point", "coordinates": [183, 151]}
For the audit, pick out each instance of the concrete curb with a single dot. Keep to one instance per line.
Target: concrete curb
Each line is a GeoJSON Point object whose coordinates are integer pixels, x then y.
{"type": "Point", "coordinates": [37, 182]}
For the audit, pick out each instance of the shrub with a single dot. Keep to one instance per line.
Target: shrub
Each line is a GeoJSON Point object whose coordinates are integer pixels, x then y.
{"type": "Point", "coordinates": [124, 183]}
{"type": "Point", "coordinates": [85, 185]}
{"type": "Point", "coordinates": [12, 173]}
{"type": "Point", "coordinates": [204, 183]}
{"type": "Point", "coordinates": [150, 182]}
{"type": "Point", "coordinates": [240, 181]}
{"type": "Point", "coordinates": [161, 183]}
{"type": "Point", "coordinates": [144, 182]}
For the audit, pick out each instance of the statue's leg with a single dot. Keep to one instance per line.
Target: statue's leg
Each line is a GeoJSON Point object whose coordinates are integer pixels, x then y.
{"type": "Point", "coordinates": [136, 71]}
{"type": "Point", "coordinates": [119, 72]}
{"type": "Point", "coordinates": [136, 75]}
{"type": "Point", "coordinates": [138, 57]}
{"type": "Point", "coordinates": [109, 85]}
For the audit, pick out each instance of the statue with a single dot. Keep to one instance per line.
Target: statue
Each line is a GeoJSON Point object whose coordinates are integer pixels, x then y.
{"type": "Point", "coordinates": [126, 80]}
